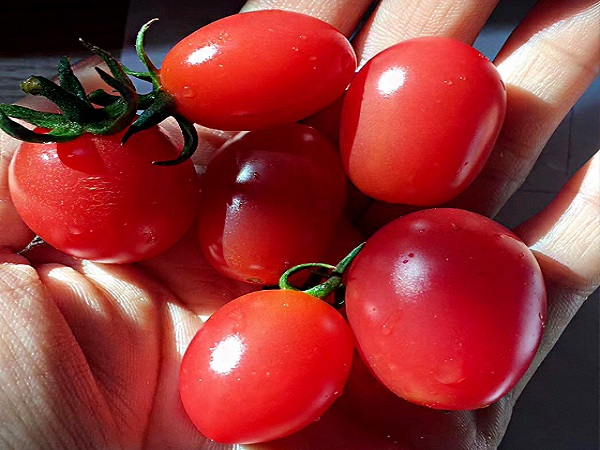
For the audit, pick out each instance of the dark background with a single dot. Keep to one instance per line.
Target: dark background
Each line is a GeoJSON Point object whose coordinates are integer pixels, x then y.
{"type": "Point", "coordinates": [559, 410]}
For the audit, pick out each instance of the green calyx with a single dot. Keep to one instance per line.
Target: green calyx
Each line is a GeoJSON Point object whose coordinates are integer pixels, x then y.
{"type": "Point", "coordinates": [98, 112]}
{"type": "Point", "coordinates": [158, 104]}
{"type": "Point", "coordinates": [333, 277]}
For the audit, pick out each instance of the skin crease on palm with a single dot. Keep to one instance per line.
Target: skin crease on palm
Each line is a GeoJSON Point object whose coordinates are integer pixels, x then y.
{"type": "Point", "coordinates": [90, 353]}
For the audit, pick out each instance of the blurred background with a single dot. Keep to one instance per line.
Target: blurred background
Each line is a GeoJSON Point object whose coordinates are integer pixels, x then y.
{"type": "Point", "coordinates": [559, 410]}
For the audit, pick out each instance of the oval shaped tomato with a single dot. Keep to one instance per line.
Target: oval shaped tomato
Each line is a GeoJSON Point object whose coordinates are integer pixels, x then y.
{"type": "Point", "coordinates": [270, 200]}
{"type": "Point", "coordinates": [420, 119]}
{"type": "Point", "coordinates": [264, 366]}
{"type": "Point", "coordinates": [257, 70]}
{"type": "Point", "coordinates": [447, 307]}
{"type": "Point", "coordinates": [96, 199]}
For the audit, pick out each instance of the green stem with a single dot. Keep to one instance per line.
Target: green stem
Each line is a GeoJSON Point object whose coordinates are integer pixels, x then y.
{"type": "Point", "coordinates": [143, 56]}
{"type": "Point", "coordinates": [333, 281]}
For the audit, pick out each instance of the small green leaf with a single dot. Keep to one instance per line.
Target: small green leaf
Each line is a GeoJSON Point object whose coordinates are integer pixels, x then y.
{"type": "Point", "coordinates": [102, 98]}
{"type": "Point", "coordinates": [69, 81]}
{"type": "Point", "coordinates": [190, 142]}
{"type": "Point", "coordinates": [159, 110]}
{"type": "Point", "coordinates": [73, 108]}
{"type": "Point", "coordinates": [37, 118]}
{"type": "Point", "coordinates": [143, 56]}
{"type": "Point", "coordinates": [18, 131]}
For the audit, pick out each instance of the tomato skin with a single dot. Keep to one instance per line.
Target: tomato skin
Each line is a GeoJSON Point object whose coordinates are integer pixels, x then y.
{"type": "Point", "coordinates": [257, 70]}
{"type": "Point", "coordinates": [96, 199]}
{"type": "Point", "coordinates": [270, 200]}
{"type": "Point", "coordinates": [460, 300]}
{"type": "Point", "coordinates": [264, 366]}
{"type": "Point", "coordinates": [420, 119]}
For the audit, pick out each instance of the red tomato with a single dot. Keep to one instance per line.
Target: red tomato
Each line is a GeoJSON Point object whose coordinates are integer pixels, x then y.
{"type": "Point", "coordinates": [420, 119]}
{"type": "Point", "coordinates": [96, 199]}
{"type": "Point", "coordinates": [448, 308]}
{"type": "Point", "coordinates": [270, 200]}
{"type": "Point", "coordinates": [257, 70]}
{"type": "Point", "coordinates": [264, 366]}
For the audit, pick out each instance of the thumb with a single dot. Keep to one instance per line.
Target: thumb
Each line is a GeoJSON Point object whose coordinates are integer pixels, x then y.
{"type": "Point", "coordinates": [566, 239]}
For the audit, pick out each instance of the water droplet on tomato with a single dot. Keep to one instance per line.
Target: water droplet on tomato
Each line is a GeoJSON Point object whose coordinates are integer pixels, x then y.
{"type": "Point", "coordinates": [449, 372]}
{"type": "Point", "coordinates": [239, 323]}
{"type": "Point", "coordinates": [254, 280]}
{"type": "Point", "coordinates": [188, 92]}
{"type": "Point", "coordinates": [75, 231]}
{"type": "Point", "coordinates": [388, 326]}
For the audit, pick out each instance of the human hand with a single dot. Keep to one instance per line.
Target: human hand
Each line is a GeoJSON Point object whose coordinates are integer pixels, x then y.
{"type": "Point", "coordinates": [93, 350]}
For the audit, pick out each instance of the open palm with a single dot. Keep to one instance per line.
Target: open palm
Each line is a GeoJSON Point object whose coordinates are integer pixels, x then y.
{"type": "Point", "coordinates": [90, 353]}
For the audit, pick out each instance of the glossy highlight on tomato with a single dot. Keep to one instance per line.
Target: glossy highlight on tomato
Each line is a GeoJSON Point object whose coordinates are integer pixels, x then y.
{"type": "Point", "coordinates": [257, 70]}
{"type": "Point", "coordinates": [448, 308]}
{"type": "Point", "coordinates": [420, 119]}
{"type": "Point", "coordinates": [96, 199]}
{"type": "Point", "coordinates": [270, 200]}
{"type": "Point", "coordinates": [264, 366]}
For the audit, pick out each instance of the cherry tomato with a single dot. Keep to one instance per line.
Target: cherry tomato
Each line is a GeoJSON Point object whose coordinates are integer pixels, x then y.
{"type": "Point", "coordinates": [270, 200]}
{"type": "Point", "coordinates": [448, 308]}
{"type": "Point", "coordinates": [420, 119]}
{"type": "Point", "coordinates": [96, 199]}
{"type": "Point", "coordinates": [264, 366]}
{"type": "Point", "coordinates": [257, 70]}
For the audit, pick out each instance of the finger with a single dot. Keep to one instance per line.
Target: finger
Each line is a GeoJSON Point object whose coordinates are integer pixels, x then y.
{"type": "Point", "coordinates": [344, 15]}
{"type": "Point", "coordinates": [568, 230]}
{"type": "Point", "coordinates": [42, 362]}
{"type": "Point", "coordinates": [104, 318]}
{"type": "Point", "coordinates": [125, 309]}
{"type": "Point", "coordinates": [14, 234]}
{"type": "Point", "coordinates": [547, 64]}
{"type": "Point", "coordinates": [566, 239]}
{"type": "Point", "coordinates": [397, 20]}
{"type": "Point", "coordinates": [170, 425]}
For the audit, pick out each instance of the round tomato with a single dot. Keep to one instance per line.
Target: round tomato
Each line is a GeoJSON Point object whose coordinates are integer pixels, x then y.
{"type": "Point", "coordinates": [258, 69]}
{"type": "Point", "coordinates": [270, 200]}
{"type": "Point", "coordinates": [448, 308]}
{"type": "Point", "coordinates": [420, 119]}
{"type": "Point", "coordinates": [264, 366]}
{"type": "Point", "coordinates": [96, 199]}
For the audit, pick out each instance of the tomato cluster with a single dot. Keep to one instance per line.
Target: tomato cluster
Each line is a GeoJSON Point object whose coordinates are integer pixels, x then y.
{"type": "Point", "coordinates": [446, 307]}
